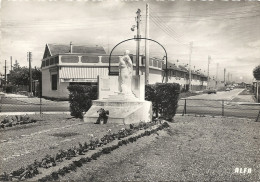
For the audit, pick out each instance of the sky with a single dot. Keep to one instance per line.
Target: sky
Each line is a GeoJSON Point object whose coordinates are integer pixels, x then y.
{"type": "Point", "coordinates": [226, 31]}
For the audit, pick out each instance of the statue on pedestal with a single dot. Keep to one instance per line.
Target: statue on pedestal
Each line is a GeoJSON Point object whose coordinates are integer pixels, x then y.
{"type": "Point", "coordinates": [125, 74]}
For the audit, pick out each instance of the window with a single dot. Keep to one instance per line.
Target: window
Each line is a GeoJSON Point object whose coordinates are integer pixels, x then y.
{"type": "Point", "coordinates": [56, 60]}
{"type": "Point", "coordinates": [52, 61]}
{"type": "Point", "coordinates": [43, 64]}
{"type": "Point", "coordinates": [54, 82]}
{"type": "Point", "coordinates": [84, 83]}
{"type": "Point", "coordinates": [47, 62]}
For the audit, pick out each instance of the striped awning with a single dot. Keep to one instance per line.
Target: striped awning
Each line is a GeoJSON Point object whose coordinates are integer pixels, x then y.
{"type": "Point", "coordinates": [82, 72]}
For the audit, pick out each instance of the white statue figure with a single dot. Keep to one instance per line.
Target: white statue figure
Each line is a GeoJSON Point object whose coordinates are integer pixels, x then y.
{"type": "Point", "coordinates": [125, 74]}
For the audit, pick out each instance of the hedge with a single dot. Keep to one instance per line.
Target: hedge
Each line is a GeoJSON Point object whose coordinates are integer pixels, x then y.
{"type": "Point", "coordinates": [80, 99]}
{"type": "Point", "coordinates": [256, 72]}
{"type": "Point", "coordinates": [164, 98]}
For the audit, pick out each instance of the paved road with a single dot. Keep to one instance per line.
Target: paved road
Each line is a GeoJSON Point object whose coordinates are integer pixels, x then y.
{"type": "Point", "coordinates": [219, 104]}
{"type": "Point", "coordinates": [16, 103]}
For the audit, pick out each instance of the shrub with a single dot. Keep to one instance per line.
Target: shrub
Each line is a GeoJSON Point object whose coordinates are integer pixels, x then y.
{"type": "Point", "coordinates": [10, 88]}
{"type": "Point", "coordinates": [164, 98]}
{"type": "Point", "coordinates": [256, 72]}
{"type": "Point", "coordinates": [80, 99]}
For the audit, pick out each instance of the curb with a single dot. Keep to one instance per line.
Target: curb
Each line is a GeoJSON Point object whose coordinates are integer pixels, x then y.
{"type": "Point", "coordinates": [29, 113]}
{"type": "Point", "coordinates": [211, 116]}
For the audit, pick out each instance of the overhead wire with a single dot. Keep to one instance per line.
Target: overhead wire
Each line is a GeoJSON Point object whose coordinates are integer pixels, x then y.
{"type": "Point", "coordinates": [156, 16]}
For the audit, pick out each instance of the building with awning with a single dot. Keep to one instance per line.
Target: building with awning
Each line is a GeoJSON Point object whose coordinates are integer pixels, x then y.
{"type": "Point", "coordinates": [64, 65]}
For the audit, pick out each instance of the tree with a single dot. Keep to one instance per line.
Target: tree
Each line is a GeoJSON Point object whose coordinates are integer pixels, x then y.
{"type": "Point", "coordinates": [256, 72]}
{"type": "Point", "coordinates": [20, 75]}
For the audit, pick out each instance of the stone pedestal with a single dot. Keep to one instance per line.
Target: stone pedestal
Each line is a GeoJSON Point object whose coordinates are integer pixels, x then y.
{"type": "Point", "coordinates": [121, 111]}
{"type": "Point", "coordinates": [124, 108]}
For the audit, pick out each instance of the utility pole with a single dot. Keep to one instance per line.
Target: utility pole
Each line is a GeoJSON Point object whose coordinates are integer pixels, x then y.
{"type": "Point", "coordinates": [190, 66]}
{"type": "Point", "coordinates": [217, 72]}
{"type": "Point", "coordinates": [208, 70]}
{"type": "Point", "coordinates": [224, 76]}
{"type": "Point", "coordinates": [217, 76]}
{"type": "Point", "coordinates": [138, 40]}
{"type": "Point", "coordinates": [11, 63]}
{"type": "Point", "coordinates": [147, 48]}
{"type": "Point", "coordinates": [30, 71]}
{"type": "Point", "coordinates": [5, 73]}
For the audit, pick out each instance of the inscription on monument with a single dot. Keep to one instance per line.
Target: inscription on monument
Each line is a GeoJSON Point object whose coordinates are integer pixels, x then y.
{"type": "Point", "coordinates": [105, 84]}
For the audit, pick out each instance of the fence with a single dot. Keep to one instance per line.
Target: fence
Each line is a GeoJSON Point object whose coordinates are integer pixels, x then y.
{"type": "Point", "coordinates": [14, 103]}
{"type": "Point", "coordinates": [218, 108]}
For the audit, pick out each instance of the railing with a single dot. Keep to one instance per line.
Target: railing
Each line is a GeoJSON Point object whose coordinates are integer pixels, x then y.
{"type": "Point", "coordinates": [22, 104]}
{"type": "Point", "coordinates": [218, 108]}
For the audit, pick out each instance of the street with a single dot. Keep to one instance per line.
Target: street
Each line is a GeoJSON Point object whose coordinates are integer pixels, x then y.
{"type": "Point", "coordinates": [17, 103]}
{"type": "Point", "coordinates": [219, 104]}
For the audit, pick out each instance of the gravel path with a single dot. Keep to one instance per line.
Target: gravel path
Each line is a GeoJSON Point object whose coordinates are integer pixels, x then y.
{"type": "Point", "coordinates": [194, 149]}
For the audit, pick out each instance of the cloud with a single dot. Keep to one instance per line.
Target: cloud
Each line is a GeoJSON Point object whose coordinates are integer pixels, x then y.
{"type": "Point", "coordinates": [254, 44]}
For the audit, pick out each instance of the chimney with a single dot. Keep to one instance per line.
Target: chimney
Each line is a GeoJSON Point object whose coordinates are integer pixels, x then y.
{"type": "Point", "coordinates": [70, 47]}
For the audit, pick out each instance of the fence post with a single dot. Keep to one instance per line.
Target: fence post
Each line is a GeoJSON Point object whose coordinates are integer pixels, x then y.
{"type": "Point", "coordinates": [257, 117]}
{"type": "Point", "coordinates": [185, 107]}
{"type": "Point", "coordinates": [222, 107]}
{"type": "Point", "coordinates": [40, 105]}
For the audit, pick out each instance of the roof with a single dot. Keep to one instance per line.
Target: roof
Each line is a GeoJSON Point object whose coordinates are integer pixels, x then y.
{"type": "Point", "coordinates": [171, 66]}
{"type": "Point", "coordinates": [183, 68]}
{"type": "Point", "coordinates": [55, 49]}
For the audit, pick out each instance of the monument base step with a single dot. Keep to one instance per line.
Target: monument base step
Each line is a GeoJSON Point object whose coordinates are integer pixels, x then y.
{"type": "Point", "coordinates": [121, 112]}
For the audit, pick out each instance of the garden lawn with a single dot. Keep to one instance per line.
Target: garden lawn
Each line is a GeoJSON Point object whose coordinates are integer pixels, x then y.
{"type": "Point", "coordinates": [22, 144]}
{"type": "Point", "coordinates": [194, 149]}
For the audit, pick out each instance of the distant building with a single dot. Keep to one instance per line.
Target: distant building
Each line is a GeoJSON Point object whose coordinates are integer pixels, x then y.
{"type": "Point", "coordinates": [180, 74]}
{"type": "Point", "coordinates": [64, 65]}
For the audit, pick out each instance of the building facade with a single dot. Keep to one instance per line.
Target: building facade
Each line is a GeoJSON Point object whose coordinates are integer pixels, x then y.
{"type": "Point", "coordinates": [64, 65]}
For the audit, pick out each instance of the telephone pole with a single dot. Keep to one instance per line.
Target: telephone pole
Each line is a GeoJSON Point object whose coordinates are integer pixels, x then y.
{"type": "Point", "coordinates": [217, 72]}
{"type": "Point", "coordinates": [30, 71]}
{"type": "Point", "coordinates": [5, 72]}
{"type": "Point", "coordinates": [147, 48]}
{"type": "Point", "coordinates": [190, 66]}
{"type": "Point", "coordinates": [208, 70]}
{"type": "Point", "coordinates": [138, 41]}
{"type": "Point", "coordinates": [11, 63]}
{"type": "Point", "coordinates": [224, 76]}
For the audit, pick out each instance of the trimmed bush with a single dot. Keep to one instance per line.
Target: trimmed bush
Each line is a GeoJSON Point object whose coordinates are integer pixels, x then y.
{"type": "Point", "coordinates": [80, 99]}
{"type": "Point", "coordinates": [164, 98]}
{"type": "Point", "coordinates": [256, 72]}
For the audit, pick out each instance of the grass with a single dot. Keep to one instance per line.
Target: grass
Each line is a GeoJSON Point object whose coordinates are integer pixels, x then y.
{"type": "Point", "coordinates": [188, 94]}
{"type": "Point", "coordinates": [65, 134]}
{"type": "Point", "coordinates": [193, 149]}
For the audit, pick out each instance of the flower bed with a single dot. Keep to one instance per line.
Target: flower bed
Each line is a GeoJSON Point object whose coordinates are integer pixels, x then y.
{"type": "Point", "coordinates": [10, 121]}
{"type": "Point", "coordinates": [74, 157]}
